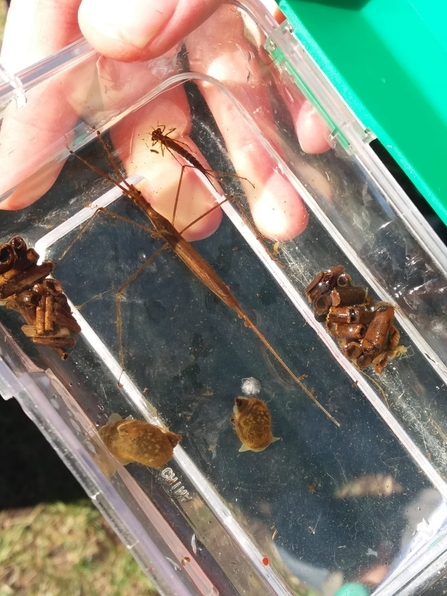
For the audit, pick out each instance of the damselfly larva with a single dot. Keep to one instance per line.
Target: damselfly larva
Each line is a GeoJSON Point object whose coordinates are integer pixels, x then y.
{"type": "Point", "coordinates": [138, 441]}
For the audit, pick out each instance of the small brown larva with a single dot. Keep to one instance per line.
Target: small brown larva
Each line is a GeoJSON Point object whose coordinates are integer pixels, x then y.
{"type": "Point", "coordinates": [252, 423]}
{"type": "Point", "coordinates": [138, 441]}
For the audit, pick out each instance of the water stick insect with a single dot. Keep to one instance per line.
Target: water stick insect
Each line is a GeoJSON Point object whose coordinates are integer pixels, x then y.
{"type": "Point", "coordinates": [192, 259]}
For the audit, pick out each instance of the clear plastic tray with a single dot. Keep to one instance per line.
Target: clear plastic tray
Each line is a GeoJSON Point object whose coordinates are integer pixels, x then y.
{"type": "Point", "coordinates": [300, 517]}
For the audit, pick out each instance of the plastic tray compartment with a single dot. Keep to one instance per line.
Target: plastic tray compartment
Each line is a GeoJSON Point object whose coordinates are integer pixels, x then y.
{"type": "Point", "coordinates": [324, 505]}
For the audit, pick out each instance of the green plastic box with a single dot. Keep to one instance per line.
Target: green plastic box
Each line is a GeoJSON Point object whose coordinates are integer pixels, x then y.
{"type": "Point", "coordinates": [387, 59]}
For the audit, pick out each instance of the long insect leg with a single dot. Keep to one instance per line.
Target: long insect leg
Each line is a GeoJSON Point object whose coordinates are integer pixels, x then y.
{"type": "Point", "coordinates": [211, 279]}
{"type": "Point", "coordinates": [297, 380]}
{"type": "Point", "coordinates": [128, 187]}
{"type": "Point", "coordinates": [92, 219]}
{"type": "Point", "coordinates": [119, 292]}
{"type": "Point", "coordinates": [77, 236]}
{"type": "Point", "coordinates": [182, 149]}
{"type": "Point", "coordinates": [200, 217]}
{"type": "Point", "coordinates": [198, 266]}
{"type": "Point", "coordinates": [174, 210]}
{"type": "Point", "coordinates": [124, 189]}
{"type": "Point", "coordinates": [251, 226]}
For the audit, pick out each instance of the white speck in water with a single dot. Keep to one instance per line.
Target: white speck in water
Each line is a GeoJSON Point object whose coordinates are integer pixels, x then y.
{"type": "Point", "coordinates": [423, 525]}
{"type": "Point", "coordinates": [250, 386]}
{"type": "Point", "coordinates": [194, 544]}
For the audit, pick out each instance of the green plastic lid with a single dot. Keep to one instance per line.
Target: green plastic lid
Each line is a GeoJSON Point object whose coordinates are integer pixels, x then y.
{"type": "Point", "coordinates": [388, 60]}
{"type": "Point", "coordinates": [353, 590]}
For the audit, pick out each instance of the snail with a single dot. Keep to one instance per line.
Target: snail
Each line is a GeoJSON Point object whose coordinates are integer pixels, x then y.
{"type": "Point", "coordinates": [252, 423]}
{"type": "Point", "coordinates": [138, 441]}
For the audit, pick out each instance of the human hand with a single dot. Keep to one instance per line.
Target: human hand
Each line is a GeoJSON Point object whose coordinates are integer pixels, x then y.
{"type": "Point", "coordinates": [134, 32]}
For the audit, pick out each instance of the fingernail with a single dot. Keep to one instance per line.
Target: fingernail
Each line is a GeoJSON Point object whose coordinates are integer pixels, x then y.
{"type": "Point", "coordinates": [135, 22]}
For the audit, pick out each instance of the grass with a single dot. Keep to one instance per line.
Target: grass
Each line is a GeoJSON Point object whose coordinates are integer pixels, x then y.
{"type": "Point", "coordinates": [53, 541]}
{"type": "Point", "coordinates": [3, 11]}
{"type": "Point", "coordinates": [60, 549]}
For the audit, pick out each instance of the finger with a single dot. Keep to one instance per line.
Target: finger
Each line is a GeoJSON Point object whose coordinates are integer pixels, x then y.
{"type": "Point", "coordinates": [35, 29]}
{"type": "Point", "coordinates": [276, 207]}
{"type": "Point", "coordinates": [162, 169]}
{"type": "Point", "coordinates": [34, 137]}
{"type": "Point", "coordinates": [311, 130]}
{"type": "Point", "coordinates": [120, 85]}
{"type": "Point", "coordinates": [36, 132]}
{"type": "Point", "coordinates": [140, 29]}
{"type": "Point", "coordinates": [33, 134]}
{"type": "Point", "coordinates": [32, 188]}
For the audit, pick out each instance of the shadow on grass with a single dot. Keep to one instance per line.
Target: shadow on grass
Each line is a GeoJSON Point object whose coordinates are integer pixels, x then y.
{"type": "Point", "coordinates": [30, 471]}
{"type": "Point", "coordinates": [52, 539]}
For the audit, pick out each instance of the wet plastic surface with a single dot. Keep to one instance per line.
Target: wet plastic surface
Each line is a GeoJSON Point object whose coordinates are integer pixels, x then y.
{"type": "Point", "coordinates": [322, 506]}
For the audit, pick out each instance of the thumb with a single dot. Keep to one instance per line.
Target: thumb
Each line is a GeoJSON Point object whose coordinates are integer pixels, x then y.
{"type": "Point", "coordinates": [140, 29]}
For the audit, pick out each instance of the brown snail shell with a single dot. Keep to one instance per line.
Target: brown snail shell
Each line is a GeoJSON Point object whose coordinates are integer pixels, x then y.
{"type": "Point", "coordinates": [138, 441]}
{"type": "Point", "coordinates": [252, 423]}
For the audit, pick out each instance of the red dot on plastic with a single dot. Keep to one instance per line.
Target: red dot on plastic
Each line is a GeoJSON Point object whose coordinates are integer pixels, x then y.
{"type": "Point", "coordinates": [265, 561]}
